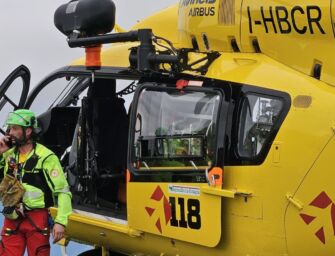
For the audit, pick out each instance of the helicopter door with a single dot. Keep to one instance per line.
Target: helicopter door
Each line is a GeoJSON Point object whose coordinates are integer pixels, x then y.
{"type": "Point", "coordinates": [14, 91]}
{"type": "Point", "coordinates": [173, 147]}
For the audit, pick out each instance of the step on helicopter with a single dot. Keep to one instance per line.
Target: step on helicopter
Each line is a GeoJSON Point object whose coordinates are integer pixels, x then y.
{"type": "Point", "coordinates": [207, 129]}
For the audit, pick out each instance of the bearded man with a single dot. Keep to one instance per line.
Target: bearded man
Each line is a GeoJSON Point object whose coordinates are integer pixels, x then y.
{"type": "Point", "coordinates": [32, 181]}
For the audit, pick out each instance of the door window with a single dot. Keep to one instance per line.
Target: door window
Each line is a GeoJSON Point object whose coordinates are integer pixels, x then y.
{"type": "Point", "coordinates": [176, 129]}
{"type": "Point", "coordinates": [259, 116]}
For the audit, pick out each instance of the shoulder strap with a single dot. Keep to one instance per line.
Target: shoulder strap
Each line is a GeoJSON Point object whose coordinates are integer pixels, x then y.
{"type": "Point", "coordinates": [46, 173]}
{"type": "Point", "coordinates": [31, 163]}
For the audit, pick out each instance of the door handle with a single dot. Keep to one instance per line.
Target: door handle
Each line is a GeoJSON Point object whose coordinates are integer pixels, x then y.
{"type": "Point", "coordinates": [228, 193]}
{"type": "Point", "coordinates": [294, 201]}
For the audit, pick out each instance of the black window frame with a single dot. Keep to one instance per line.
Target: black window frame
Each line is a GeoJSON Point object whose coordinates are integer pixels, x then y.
{"type": "Point", "coordinates": [82, 72]}
{"type": "Point", "coordinates": [194, 176]}
{"type": "Point", "coordinates": [236, 158]}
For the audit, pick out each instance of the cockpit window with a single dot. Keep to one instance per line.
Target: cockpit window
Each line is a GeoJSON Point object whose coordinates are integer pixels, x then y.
{"type": "Point", "coordinates": [258, 116]}
{"type": "Point", "coordinates": [175, 129]}
{"type": "Point", "coordinates": [56, 92]}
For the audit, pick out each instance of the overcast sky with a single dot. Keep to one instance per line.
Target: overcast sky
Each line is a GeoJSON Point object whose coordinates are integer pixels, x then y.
{"type": "Point", "coordinates": [28, 36]}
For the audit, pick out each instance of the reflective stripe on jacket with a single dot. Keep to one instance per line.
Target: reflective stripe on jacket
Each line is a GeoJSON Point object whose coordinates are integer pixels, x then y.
{"type": "Point", "coordinates": [44, 181]}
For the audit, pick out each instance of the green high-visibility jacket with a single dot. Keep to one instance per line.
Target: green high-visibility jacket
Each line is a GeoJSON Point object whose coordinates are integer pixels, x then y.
{"type": "Point", "coordinates": [43, 178]}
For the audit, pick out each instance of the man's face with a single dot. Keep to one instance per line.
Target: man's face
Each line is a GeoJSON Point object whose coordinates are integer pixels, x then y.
{"type": "Point", "coordinates": [16, 134]}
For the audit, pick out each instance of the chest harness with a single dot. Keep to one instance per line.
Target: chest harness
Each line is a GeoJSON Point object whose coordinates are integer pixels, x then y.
{"type": "Point", "coordinates": [30, 172]}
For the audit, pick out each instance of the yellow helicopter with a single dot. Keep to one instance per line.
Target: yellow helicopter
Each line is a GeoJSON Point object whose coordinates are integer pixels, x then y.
{"type": "Point", "coordinates": [205, 130]}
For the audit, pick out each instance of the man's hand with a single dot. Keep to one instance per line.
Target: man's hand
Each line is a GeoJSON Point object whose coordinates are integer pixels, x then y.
{"type": "Point", "coordinates": [3, 144]}
{"type": "Point", "coordinates": [58, 232]}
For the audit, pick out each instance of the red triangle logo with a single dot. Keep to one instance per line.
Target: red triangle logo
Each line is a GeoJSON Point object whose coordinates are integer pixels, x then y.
{"type": "Point", "coordinates": [149, 210]}
{"type": "Point", "coordinates": [321, 235]}
{"type": "Point", "coordinates": [307, 218]}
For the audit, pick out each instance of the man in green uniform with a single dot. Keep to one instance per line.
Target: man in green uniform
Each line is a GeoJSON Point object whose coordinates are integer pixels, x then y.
{"type": "Point", "coordinates": [33, 181]}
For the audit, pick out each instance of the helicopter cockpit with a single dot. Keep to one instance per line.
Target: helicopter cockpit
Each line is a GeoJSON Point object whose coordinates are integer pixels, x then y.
{"type": "Point", "coordinates": [84, 122]}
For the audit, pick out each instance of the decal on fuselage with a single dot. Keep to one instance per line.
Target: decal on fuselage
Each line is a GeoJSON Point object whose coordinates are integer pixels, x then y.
{"type": "Point", "coordinates": [322, 202]}
{"type": "Point", "coordinates": [283, 20]}
{"type": "Point", "coordinates": [178, 211]}
{"type": "Point", "coordinates": [159, 196]}
{"type": "Point", "coordinates": [189, 212]}
{"type": "Point", "coordinates": [184, 190]}
{"type": "Point", "coordinates": [197, 10]}
{"type": "Point", "coordinates": [193, 2]}
{"type": "Point", "coordinates": [202, 11]}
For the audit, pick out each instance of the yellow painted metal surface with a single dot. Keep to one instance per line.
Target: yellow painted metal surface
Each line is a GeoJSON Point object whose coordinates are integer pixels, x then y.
{"type": "Point", "coordinates": [299, 205]}
{"type": "Point", "coordinates": [163, 24]}
{"type": "Point", "coordinates": [260, 224]}
{"type": "Point", "coordinates": [218, 21]}
{"type": "Point", "coordinates": [316, 221]}
{"type": "Point", "coordinates": [285, 206]}
{"type": "Point", "coordinates": [289, 32]}
{"type": "Point", "coordinates": [151, 212]}
{"type": "Point", "coordinates": [228, 193]}
{"type": "Point", "coordinates": [296, 33]}
{"type": "Point", "coordinates": [301, 139]}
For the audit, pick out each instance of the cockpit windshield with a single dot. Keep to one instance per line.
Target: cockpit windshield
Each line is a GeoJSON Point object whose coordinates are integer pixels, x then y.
{"type": "Point", "coordinates": [175, 129]}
